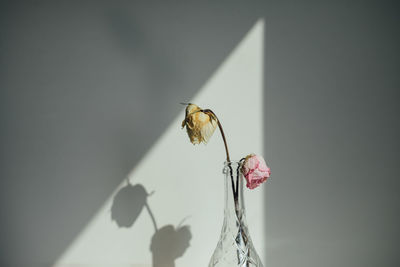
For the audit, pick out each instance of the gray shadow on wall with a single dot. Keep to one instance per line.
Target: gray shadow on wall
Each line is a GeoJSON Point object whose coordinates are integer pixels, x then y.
{"type": "Point", "coordinates": [86, 89]}
{"type": "Point", "coordinates": [331, 103]}
{"type": "Point", "coordinates": [167, 243]}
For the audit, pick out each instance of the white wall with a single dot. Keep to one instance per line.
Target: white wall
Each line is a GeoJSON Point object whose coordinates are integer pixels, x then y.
{"type": "Point", "coordinates": [187, 180]}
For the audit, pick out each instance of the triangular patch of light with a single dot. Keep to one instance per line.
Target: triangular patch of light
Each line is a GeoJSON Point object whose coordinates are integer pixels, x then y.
{"type": "Point", "coordinates": [187, 180]}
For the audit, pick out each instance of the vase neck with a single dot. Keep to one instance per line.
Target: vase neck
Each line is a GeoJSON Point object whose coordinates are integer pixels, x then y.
{"type": "Point", "coordinates": [234, 201]}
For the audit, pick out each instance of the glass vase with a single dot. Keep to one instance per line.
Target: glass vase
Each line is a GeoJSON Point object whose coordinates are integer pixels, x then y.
{"type": "Point", "coordinates": [234, 247]}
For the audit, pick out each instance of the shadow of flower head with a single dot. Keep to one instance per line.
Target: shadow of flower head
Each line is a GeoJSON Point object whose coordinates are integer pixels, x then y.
{"type": "Point", "coordinates": [128, 204]}
{"type": "Point", "coordinates": [169, 243]}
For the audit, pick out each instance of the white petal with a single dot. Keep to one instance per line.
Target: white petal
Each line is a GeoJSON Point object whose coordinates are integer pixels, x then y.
{"type": "Point", "coordinates": [207, 130]}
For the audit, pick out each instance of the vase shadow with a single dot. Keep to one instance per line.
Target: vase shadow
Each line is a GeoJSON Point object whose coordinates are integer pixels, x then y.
{"type": "Point", "coordinates": [167, 243]}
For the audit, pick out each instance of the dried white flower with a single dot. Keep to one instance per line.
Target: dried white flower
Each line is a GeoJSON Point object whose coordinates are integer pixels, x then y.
{"type": "Point", "coordinates": [200, 125]}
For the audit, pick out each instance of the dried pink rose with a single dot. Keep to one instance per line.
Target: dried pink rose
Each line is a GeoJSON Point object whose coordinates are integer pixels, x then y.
{"type": "Point", "coordinates": [255, 170]}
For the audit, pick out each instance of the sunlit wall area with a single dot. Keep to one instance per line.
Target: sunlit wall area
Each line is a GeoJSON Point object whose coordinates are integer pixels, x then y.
{"type": "Point", "coordinates": [183, 216]}
{"type": "Point", "coordinates": [95, 170]}
{"type": "Point", "coordinates": [90, 97]}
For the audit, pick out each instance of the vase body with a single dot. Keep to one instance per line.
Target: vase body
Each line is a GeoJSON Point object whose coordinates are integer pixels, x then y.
{"type": "Point", "coordinates": [234, 247]}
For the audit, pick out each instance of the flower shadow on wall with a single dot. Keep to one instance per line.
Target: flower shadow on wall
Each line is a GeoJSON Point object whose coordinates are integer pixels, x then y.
{"type": "Point", "coordinates": [167, 243]}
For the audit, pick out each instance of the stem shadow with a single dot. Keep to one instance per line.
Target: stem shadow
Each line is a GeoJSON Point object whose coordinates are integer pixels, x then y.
{"type": "Point", "coordinates": [167, 243]}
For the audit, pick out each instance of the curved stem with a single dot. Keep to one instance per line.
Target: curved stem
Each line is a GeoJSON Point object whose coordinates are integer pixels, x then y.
{"type": "Point", "coordinates": [222, 132]}
{"type": "Point", "coordinates": [235, 196]}
{"type": "Point", "coordinates": [223, 137]}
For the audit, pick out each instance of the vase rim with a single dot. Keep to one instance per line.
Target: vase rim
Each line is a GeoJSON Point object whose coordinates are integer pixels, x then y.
{"type": "Point", "coordinates": [232, 161]}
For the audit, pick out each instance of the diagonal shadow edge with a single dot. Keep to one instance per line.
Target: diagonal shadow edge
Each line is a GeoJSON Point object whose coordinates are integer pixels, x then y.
{"type": "Point", "coordinates": [138, 162]}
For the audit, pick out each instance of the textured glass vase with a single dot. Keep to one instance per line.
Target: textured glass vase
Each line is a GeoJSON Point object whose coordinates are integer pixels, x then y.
{"type": "Point", "coordinates": [234, 247]}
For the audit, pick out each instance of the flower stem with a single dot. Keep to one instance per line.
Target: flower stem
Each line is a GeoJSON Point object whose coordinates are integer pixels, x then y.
{"type": "Point", "coordinates": [234, 191]}
{"type": "Point", "coordinates": [223, 137]}
{"type": "Point", "coordinates": [237, 181]}
{"type": "Point", "coordinates": [237, 175]}
{"type": "Point", "coordinates": [221, 130]}
{"type": "Point", "coordinates": [232, 181]}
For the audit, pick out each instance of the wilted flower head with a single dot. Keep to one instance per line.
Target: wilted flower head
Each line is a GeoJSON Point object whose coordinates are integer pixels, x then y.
{"type": "Point", "coordinates": [200, 125]}
{"type": "Point", "coordinates": [255, 170]}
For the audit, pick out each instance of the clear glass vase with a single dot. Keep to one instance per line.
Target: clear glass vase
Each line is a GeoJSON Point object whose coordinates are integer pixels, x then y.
{"type": "Point", "coordinates": [234, 247]}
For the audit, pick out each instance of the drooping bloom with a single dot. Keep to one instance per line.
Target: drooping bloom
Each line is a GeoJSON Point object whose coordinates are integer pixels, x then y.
{"type": "Point", "coordinates": [200, 125]}
{"type": "Point", "coordinates": [255, 170]}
